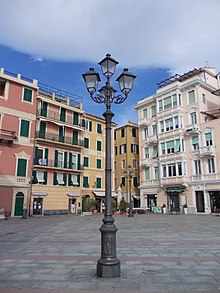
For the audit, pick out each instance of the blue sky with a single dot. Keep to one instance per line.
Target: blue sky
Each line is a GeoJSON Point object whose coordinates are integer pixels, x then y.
{"type": "Point", "coordinates": [58, 40]}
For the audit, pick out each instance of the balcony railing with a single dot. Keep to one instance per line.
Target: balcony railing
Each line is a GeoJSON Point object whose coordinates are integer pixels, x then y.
{"type": "Point", "coordinates": [207, 151]}
{"type": "Point", "coordinates": [144, 162]}
{"type": "Point", "coordinates": [57, 164]}
{"type": "Point", "coordinates": [151, 139]}
{"type": "Point", "coordinates": [192, 129]}
{"type": "Point", "coordinates": [7, 136]}
{"type": "Point", "coordinates": [56, 138]}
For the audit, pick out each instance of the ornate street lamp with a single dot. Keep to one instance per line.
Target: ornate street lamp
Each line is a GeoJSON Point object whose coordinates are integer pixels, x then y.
{"type": "Point", "coordinates": [108, 265]}
{"type": "Point", "coordinates": [129, 173]}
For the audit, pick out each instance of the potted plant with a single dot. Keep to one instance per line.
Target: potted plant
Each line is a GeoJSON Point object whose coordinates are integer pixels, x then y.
{"type": "Point", "coordinates": [123, 206]}
{"type": "Point", "coordinates": [164, 207]}
{"type": "Point", "coordinates": [88, 205]}
{"type": "Point", "coordinates": [185, 209]}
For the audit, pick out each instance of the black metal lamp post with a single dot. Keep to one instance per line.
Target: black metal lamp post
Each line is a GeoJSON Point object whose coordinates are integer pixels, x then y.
{"type": "Point", "coordinates": [108, 265]}
{"type": "Point", "coordinates": [129, 173]}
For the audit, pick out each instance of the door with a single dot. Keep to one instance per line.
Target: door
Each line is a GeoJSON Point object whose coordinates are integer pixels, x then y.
{"type": "Point", "coordinates": [214, 200]}
{"type": "Point", "coordinates": [37, 206]}
{"type": "Point", "coordinates": [19, 203]}
{"type": "Point", "coordinates": [151, 201]}
{"type": "Point", "coordinates": [174, 201]}
{"type": "Point", "coordinates": [200, 206]}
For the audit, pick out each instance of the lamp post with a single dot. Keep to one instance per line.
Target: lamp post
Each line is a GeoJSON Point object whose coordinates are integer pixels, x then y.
{"type": "Point", "coordinates": [129, 173]}
{"type": "Point", "coordinates": [108, 265]}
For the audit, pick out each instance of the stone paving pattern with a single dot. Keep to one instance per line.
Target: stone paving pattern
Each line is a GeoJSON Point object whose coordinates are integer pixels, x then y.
{"type": "Point", "coordinates": [158, 253]}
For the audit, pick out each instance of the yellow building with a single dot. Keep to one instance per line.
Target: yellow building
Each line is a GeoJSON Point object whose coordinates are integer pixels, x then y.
{"type": "Point", "coordinates": [126, 143]}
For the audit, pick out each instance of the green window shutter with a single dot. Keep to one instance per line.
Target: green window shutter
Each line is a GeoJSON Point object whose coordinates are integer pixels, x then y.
{"type": "Point", "coordinates": [98, 164]}
{"type": "Point", "coordinates": [145, 113]}
{"type": "Point", "coordinates": [45, 178]}
{"type": "Point", "coordinates": [86, 142]}
{"type": "Point", "coordinates": [162, 146]}
{"type": "Point", "coordinates": [83, 123]}
{"type": "Point", "coordinates": [64, 179]}
{"type": "Point", "coordinates": [146, 151]}
{"type": "Point", "coordinates": [191, 97]}
{"type": "Point", "coordinates": [42, 129]}
{"type": "Point", "coordinates": [76, 118]}
{"type": "Point", "coordinates": [195, 139]}
{"type": "Point", "coordinates": [44, 108]}
{"type": "Point", "coordinates": [27, 95]}
{"type": "Point", "coordinates": [36, 156]}
{"type": "Point", "coordinates": [70, 160]}
{"type": "Point", "coordinates": [99, 128]}
{"type": "Point", "coordinates": [99, 145]}
{"type": "Point", "coordinates": [61, 134]}
{"type": "Point", "coordinates": [86, 162]}
{"type": "Point", "coordinates": [56, 159]}
{"type": "Point", "coordinates": [75, 137]}
{"type": "Point", "coordinates": [90, 125]}
{"type": "Point", "coordinates": [153, 111]}
{"type": "Point", "coordinates": [147, 173]}
{"type": "Point", "coordinates": [123, 181]}
{"type": "Point", "coordinates": [46, 156]}
{"type": "Point", "coordinates": [177, 145]}
{"type": "Point", "coordinates": [24, 130]}
{"type": "Point", "coordinates": [135, 181]}
{"type": "Point", "coordinates": [78, 162]}
{"type": "Point", "coordinates": [78, 180]}
{"type": "Point", "coordinates": [65, 160]}
{"type": "Point", "coordinates": [63, 114]}
{"type": "Point", "coordinates": [21, 168]}
{"type": "Point", "coordinates": [170, 144]}
{"type": "Point", "coordinates": [98, 182]}
{"type": "Point", "coordinates": [208, 136]}
{"type": "Point", "coordinates": [34, 177]}
{"type": "Point", "coordinates": [85, 181]}
{"type": "Point", "coordinates": [155, 151]}
{"type": "Point", "coordinates": [69, 180]}
{"type": "Point", "coordinates": [55, 182]}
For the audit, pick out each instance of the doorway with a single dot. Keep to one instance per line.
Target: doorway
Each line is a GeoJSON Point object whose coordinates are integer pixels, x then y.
{"type": "Point", "coordinates": [72, 205]}
{"type": "Point", "coordinates": [214, 200]}
{"type": "Point", "coordinates": [37, 206]}
{"type": "Point", "coordinates": [200, 204]}
{"type": "Point", "coordinates": [173, 200]}
{"type": "Point", "coordinates": [151, 201]}
{"type": "Point", "coordinates": [19, 203]}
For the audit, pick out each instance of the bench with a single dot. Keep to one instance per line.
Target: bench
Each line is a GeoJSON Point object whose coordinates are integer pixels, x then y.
{"type": "Point", "coordinates": [175, 211]}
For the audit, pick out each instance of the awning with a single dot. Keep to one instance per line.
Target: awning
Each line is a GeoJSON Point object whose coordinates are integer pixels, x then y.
{"type": "Point", "coordinates": [175, 190]}
{"type": "Point", "coordinates": [73, 194]}
{"type": "Point", "coordinates": [39, 193]}
{"type": "Point", "coordinates": [102, 194]}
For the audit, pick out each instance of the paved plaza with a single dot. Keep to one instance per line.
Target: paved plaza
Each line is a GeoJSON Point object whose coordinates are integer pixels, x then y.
{"type": "Point", "coordinates": [158, 253]}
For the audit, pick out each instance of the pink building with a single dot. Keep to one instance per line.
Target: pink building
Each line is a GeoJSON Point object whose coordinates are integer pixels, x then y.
{"type": "Point", "coordinates": [17, 132]}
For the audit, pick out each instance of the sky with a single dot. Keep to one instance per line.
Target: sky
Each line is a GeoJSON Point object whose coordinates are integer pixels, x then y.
{"type": "Point", "coordinates": [55, 41]}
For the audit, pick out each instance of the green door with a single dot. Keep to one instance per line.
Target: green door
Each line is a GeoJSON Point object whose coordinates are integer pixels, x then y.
{"type": "Point", "coordinates": [19, 204]}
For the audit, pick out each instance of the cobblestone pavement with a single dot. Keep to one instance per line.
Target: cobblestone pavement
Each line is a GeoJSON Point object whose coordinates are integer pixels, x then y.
{"type": "Point", "coordinates": [158, 253]}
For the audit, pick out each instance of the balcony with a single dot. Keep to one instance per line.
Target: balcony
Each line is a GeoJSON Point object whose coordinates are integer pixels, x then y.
{"type": "Point", "coordinates": [144, 162]}
{"type": "Point", "coordinates": [207, 151]}
{"type": "Point", "coordinates": [54, 138]}
{"type": "Point", "coordinates": [7, 136]}
{"type": "Point", "coordinates": [173, 181]}
{"type": "Point", "coordinates": [191, 129]}
{"type": "Point", "coordinates": [61, 165]}
{"type": "Point", "coordinates": [151, 139]}
{"type": "Point", "coordinates": [143, 122]}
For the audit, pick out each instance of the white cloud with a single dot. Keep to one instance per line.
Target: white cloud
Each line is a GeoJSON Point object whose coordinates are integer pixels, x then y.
{"type": "Point", "coordinates": [174, 34]}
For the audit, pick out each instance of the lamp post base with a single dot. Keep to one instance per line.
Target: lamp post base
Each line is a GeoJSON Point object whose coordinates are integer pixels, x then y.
{"type": "Point", "coordinates": [108, 270]}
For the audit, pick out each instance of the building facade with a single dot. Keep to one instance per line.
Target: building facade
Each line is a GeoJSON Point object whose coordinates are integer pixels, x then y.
{"type": "Point", "coordinates": [126, 143]}
{"type": "Point", "coordinates": [179, 143]}
{"type": "Point", "coordinates": [17, 133]}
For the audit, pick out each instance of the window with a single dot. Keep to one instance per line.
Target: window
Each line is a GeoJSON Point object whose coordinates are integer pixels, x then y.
{"type": "Point", "coordinates": [24, 128]}
{"type": "Point", "coordinates": [72, 161]}
{"type": "Point", "coordinates": [99, 128]}
{"type": "Point", "coordinates": [145, 113]}
{"type": "Point", "coordinates": [123, 181]}
{"type": "Point", "coordinates": [61, 133]}
{"type": "Point", "coordinates": [99, 145]}
{"type": "Point", "coordinates": [115, 135]}
{"type": "Point", "coordinates": [60, 159]}
{"type": "Point", "coordinates": [197, 166]}
{"type": "Point", "coordinates": [162, 126]}
{"type": "Point", "coordinates": [27, 95]}
{"type": "Point", "coordinates": [63, 114]}
{"type": "Point", "coordinates": [122, 132]}
{"type": "Point", "coordinates": [134, 132]}
{"type": "Point", "coordinates": [134, 148]}
{"type": "Point", "coordinates": [21, 167]}
{"type": "Point", "coordinates": [86, 142]}
{"type": "Point", "coordinates": [167, 103]}
{"type": "Point", "coordinates": [88, 125]}
{"type": "Point", "coordinates": [208, 138]}
{"type": "Point", "coordinates": [147, 173]}
{"type": "Point", "coordinates": [153, 111]}
{"type": "Point", "coordinates": [163, 148]}
{"type": "Point", "coordinates": [146, 151]}
{"type": "Point", "coordinates": [135, 181]}
{"type": "Point", "coordinates": [122, 148]}
{"type": "Point", "coordinates": [156, 173]}
{"type": "Point", "coordinates": [145, 132]}
{"type": "Point", "coordinates": [179, 167]}
{"type": "Point", "coordinates": [164, 168]}
{"type": "Point", "coordinates": [43, 110]}
{"type": "Point", "coordinates": [86, 162]}
{"type": "Point", "coordinates": [98, 163]}
{"type": "Point", "coordinates": [85, 181]}
{"type": "Point", "coordinates": [174, 100]}
{"type": "Point", "coordinates": [170, 146]}
{"type": "Point", "coordinates": [75, 137]}
{"type": "Point", "coordinates": [154, 129]}
{"type": "Point", "coordinates": [155, 152]}
{"type": "Point", "coordinates": [2, 88]}
{"type": "Point", "coordinates": [171, 170]}
{"type": "Point", "coordinates": [98, 182]}
{"type": "Point", "coordinates": [42, 132]}
{"type": "Point", "coordinates": [123, 164]}
{"type": "Point", "coordinates": [177, 145]}
{"type": "Point", "coordinates": [191, 96]}
{"type": "Point", "coordinates": [116, 150]}
{"type": "Point", "coordinates": [211, 165]}
{"type": "Point", "coordinates": [195, 142]}
{"type": "Point", "coordinates": [135, 165]}
{"type": "Point", "coordinates": [160, 105]}
{"type": "Point", "coordinates": [169, 124]}
{"type": "Point", "coordinates": [176, 122]}
{"type": "Point", "coordinates": [193, 118]}
{"type": "Point", "coordinates": [204, 98]}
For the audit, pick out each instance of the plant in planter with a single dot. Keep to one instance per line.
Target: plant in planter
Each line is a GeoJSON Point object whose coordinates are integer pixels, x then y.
{"type": "Point", "coordinates": [185, 209]}
{"type": "Point", "coordinates": [123, 206]}
{"type": "Point", "coordinates": [88, 204]}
